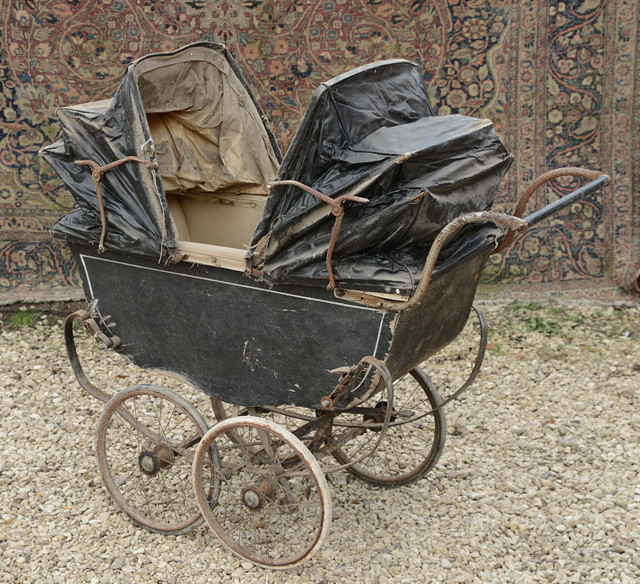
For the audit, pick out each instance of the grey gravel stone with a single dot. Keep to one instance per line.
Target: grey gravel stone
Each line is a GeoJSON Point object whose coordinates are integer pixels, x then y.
{"type": "Point", "coordinates": [539, 481]}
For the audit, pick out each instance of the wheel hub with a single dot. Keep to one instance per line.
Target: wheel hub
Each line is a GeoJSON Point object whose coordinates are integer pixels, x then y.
{"type": "Point", "coordinates": [252, 498]}
{"type": "Point", "coordinates": [153, 461]}
{"type": "Point", "coordinates": [149, 463]}
{"type": "Point", "coordinates": [379, 416]}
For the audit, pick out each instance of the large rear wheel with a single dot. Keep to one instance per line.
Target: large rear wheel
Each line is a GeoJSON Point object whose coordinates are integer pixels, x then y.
{"type": "Point", "coordinates": [413, 441]}
{"type": "Point", "coordinates": [145, 443]}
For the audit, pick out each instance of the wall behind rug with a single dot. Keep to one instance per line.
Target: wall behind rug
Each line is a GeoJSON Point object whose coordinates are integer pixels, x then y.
{"type": "Point", "coordinates": [559, 80]}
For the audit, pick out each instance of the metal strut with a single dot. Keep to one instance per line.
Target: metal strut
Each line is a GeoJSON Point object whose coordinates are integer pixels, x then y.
{"type": "Point", "coordinates": [337, 210]}
{"type": "Point", "coordinates": [477, 364]}
{"type": "Point", "coordinates": [91, 326]}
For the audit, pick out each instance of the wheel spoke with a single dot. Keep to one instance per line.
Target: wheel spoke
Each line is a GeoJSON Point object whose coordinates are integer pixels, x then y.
{"type": "Point", "coordinates": [410, 446]}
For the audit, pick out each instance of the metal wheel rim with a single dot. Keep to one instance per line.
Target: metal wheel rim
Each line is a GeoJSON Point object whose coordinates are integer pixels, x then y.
{"type": "Point", "coordinates": [115, 407]}
{"type": "Point", "coordinates": [312, 468]}
{"type": "Point", "coordinates": [438, 436]}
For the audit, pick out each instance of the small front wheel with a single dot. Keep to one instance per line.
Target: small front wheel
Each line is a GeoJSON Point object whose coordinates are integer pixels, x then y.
{"type": "Point", "coordinates": [273, 506]}
{"type": "Point", "coordinates": [145, 443]}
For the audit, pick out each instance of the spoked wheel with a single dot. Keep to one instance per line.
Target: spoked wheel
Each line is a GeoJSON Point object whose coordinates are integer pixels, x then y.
{"type": "Point", "coordinates": [413, 442]}
{"type": "Point", "coordinates": [273, 507]}
{"type": "Point", "coordinates": [145, 443]}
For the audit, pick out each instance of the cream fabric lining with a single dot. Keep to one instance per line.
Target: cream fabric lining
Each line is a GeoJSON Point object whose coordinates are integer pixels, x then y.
{"type": "Point", "coordinates": [223, 220]}
{"type": "Point", "coordinates": [206, 129]}
{"type": "Point", "coordinates": [212, 148]}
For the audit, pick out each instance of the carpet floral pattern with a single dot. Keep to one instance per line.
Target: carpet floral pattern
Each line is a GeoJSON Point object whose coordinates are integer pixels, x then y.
{"type": "Point", "coordinates": [559, 80]}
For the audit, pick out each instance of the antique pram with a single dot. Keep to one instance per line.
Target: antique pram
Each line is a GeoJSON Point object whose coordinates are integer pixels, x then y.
{"type": "Point", "coordinates": [313, 303]}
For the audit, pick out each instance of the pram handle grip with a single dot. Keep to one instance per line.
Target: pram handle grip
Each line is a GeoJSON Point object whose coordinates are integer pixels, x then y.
{"type": "Point", "coordinates": [597, 179]}
{"type": "Point", "coordinates": [567, 200]}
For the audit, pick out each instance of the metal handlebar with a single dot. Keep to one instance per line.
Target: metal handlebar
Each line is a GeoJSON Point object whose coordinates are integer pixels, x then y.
{"type": "Point", "coordinates": [567, 200]}
{"type": "Point", "coordinates": [597, 180]}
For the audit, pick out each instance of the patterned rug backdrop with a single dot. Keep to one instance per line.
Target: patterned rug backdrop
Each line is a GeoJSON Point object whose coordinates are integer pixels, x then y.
{"type": "Point", "coordinates": [559, 80]}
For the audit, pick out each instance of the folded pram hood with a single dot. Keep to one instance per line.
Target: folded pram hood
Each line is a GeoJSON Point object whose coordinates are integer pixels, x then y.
{"type": "Point", "coordinates": [191, 111]}
{"type": "Point", "coordinates": [372, 132]}
{"type": "Point", "coordinates": [369, 132]}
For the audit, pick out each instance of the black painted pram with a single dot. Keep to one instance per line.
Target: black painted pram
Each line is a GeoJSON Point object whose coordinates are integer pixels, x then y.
{"type": "Point", "coordinates": [314, 299]}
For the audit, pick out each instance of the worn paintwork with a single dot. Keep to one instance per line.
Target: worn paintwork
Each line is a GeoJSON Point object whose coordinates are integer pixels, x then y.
{"type": "Point", "coordinates": [424, 329]}
{"type": "Point", "coordinates": [233, 338]}
{"type": "Point", "coordinates": [244, 342]}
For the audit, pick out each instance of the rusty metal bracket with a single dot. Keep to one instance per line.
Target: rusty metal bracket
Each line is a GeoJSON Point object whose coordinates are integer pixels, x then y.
{"type": "Point", "coordinates": [349, 375]}
{"type": "Point", "coordinates": [97, 172]}
{"type": "Point", "coordinates": [337, 210]}
{"type": "Point", "coordinates": [104, 342]}
{"type": "Point", "coordinates": [346, 379]}
{"type": "Point", "coordinates": [175, 258]}
{"type": "Point", "coordinates": [380, 426]}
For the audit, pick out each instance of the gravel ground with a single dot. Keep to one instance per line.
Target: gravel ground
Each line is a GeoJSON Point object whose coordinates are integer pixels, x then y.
{"type": "Point", "coordinates": [539, 480]}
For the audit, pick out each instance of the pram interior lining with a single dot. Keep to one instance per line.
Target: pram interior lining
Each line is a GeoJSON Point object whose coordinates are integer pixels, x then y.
{"type": "Point", "coordinates": [216, 218]}
{"type": "Point", "coordinates": [213, 168]}
{"type": "Point", "coordinates": [216, 229]}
